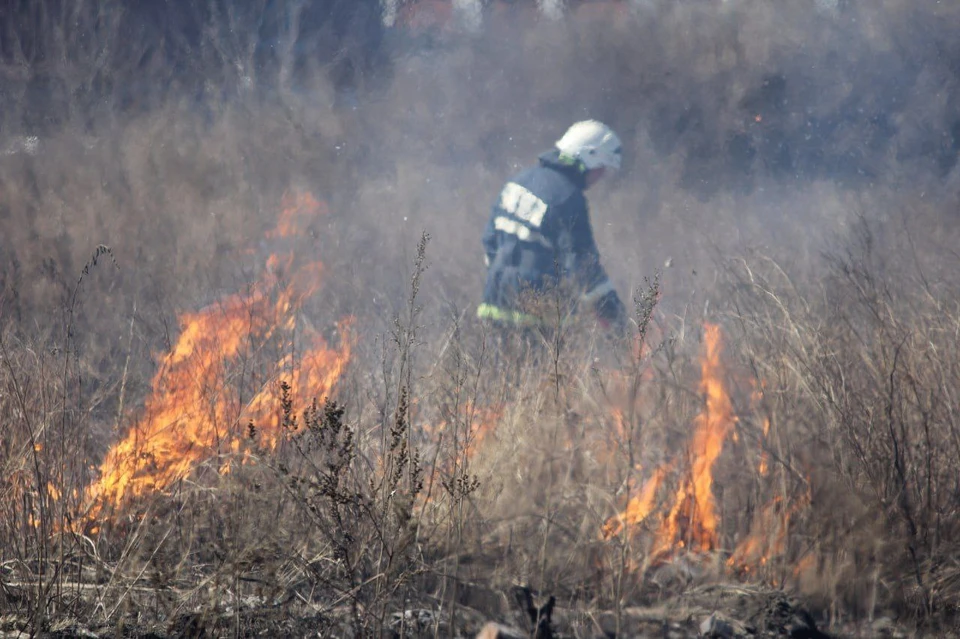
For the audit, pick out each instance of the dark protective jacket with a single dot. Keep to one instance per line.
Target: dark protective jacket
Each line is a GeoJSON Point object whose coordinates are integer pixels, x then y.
{"type": "Point", "coordinates": [538, 236]}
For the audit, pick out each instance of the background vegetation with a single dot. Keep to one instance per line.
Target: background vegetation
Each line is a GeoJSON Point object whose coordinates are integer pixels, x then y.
{"type": "Point", "coordinates": [790, 168]}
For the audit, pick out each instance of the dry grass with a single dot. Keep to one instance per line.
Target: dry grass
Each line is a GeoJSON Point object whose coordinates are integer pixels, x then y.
{"type": "Point", "coordinates": [453, 464]}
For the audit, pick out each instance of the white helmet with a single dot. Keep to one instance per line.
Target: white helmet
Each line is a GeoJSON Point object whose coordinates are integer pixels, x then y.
{"type": "Point", "coordinates": [593, 143]}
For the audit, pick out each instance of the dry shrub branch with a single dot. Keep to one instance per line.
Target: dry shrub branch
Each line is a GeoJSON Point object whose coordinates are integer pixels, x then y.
{"type": "Point", "coordinates": [794, 169]}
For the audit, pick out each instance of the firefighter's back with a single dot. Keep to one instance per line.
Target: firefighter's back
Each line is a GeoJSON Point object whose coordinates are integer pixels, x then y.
{"type": "Point", "coordinates": [525, 236]}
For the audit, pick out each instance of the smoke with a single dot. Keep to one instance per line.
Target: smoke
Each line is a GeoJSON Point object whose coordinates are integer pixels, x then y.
{"type": "Point", "coordinates": [748, 125]}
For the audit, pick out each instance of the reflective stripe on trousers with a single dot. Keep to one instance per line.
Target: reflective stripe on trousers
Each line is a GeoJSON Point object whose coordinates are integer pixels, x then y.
{"type": "Point", "coordinates": [495, 313]}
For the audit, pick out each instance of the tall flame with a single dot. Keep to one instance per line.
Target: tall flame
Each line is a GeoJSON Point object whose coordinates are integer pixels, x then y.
{"type": "Point", "coordinates": [197, 409]}
{"type": "Point", "coordinates": [692, 520]}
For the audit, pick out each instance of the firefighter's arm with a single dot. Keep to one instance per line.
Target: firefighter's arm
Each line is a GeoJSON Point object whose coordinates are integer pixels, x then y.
{"type": "Point", "coordinates": [599, 292]}
{"type": "Point", "coordinates": [489, 242]}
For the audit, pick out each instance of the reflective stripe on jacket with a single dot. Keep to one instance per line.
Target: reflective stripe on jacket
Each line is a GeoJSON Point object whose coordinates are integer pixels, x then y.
{"type": "Point", "coordinates": [539, 233]}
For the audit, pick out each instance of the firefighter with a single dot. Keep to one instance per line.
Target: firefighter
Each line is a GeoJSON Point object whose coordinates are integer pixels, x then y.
{"type": "Point", "coordinates": [539, 237]}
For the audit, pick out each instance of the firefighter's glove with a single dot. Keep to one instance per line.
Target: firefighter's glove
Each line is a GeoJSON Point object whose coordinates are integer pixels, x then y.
{"type": "Point", "coordinates": [612, 314]}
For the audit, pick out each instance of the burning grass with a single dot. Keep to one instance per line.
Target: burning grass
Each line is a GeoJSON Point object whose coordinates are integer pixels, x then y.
{"type": "Point", "coordinates": [666, 466]}
{"type": "Point", "coordinates": [170, 454]}
{"type": "Point", "coordinates": [203, 404]}
{"type": "Point", "coordinates": [691, 522]}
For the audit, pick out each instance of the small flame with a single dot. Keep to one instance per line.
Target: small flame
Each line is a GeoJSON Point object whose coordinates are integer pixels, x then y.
{"type": "Point", "coordinates": [690, 519]}
{"type": "Point", "coordinates": [768, 537]}
{"type": "Point", "coordinates": [756, 398]}
{"type": "Point", "coordinates": [764, 466]}
{"type": "Point", "coordinates": [479, 424]}
{"type": "Point", "coordinates": [638, 508]}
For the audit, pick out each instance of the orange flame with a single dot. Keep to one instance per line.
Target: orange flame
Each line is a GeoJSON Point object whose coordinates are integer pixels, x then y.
{"type": "Point", "coordinates": [764, 466]}
{"type": "Point", "coordinates": [768, 536]}
{"type": "Point", "coordinates": [692, 520]}
{"type": "Point", "coordinates": [638, 508]}
{"type": "Point", "coordinates": [756, 399]}
{"type": "Point", "coordinates": [197, 410]}
{"type": "Point", "coordinates": [478, 423]}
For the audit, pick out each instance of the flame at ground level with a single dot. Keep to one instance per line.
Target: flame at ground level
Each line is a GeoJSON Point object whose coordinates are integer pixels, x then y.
{"type": "Point", "coordinates": [691, 520]}
{"type": "Point", "coordinates": [638, 508]}
{"type": "Point", "coordinates": [461, 436]}
{"type": "Point", "coordinates": [207, 389]}
{"type": "Point", "coordinates": [768, 535]}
